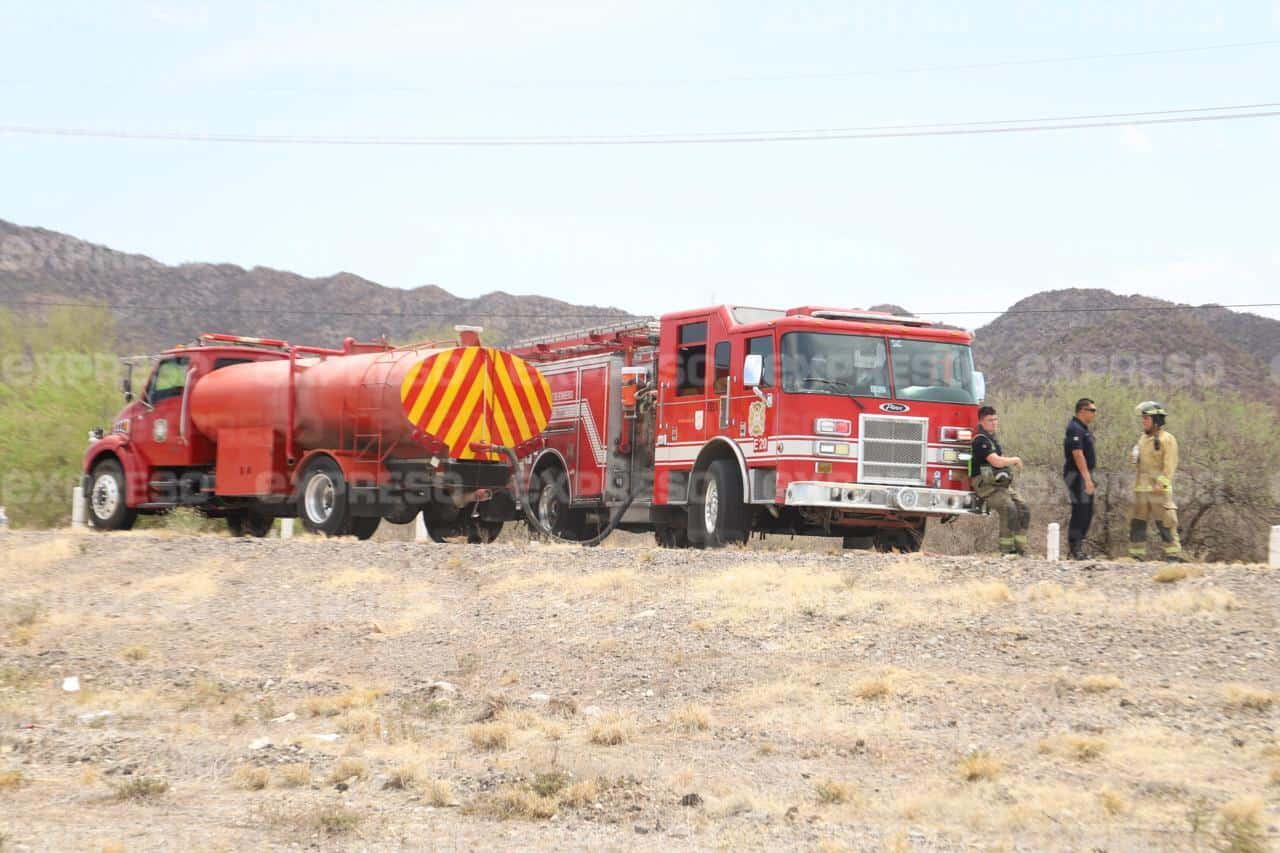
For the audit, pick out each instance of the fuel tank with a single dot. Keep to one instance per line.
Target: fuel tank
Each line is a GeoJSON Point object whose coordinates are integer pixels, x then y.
{"type": "Point", "coordinates": [403, 403]}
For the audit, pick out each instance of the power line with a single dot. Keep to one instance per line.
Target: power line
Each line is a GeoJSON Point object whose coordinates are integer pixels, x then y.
{"type": "Point", "coordinates": [601, 314]}
{"type": "Point", "coordinates": [1001, 126]}
{"type": "Point", "coordinates": [728, 79]}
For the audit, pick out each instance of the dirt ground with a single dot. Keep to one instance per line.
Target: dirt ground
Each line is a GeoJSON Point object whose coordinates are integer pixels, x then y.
{"type": "Point", "coordinates": [163, 691]}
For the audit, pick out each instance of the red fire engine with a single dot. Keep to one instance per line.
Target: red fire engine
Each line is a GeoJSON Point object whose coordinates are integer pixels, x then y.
{"type": "Point", "coordinates": [249, 430]}
{"type": "Point", "coordinates": [712, 424]}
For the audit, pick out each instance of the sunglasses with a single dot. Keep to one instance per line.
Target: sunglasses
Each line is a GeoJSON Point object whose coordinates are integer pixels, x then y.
{"type": "Point", "coordinates": [1094, 409]}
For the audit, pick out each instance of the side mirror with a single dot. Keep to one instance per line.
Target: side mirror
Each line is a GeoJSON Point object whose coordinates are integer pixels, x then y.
{"type": "Point", "coordinates": [126, 386]}
{"type": "Point", "coordinates": [752, 370]}
{"type": "Point", "coordinates": [979, 387]}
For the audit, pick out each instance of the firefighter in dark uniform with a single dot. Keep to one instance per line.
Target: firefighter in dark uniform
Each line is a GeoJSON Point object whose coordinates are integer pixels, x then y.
{"type": "Point", "coordinates": [1078, 461]}
{"type": "Point", "coordinates": [991, 474]}
{"type": "Point", "coordinates": [1155, 458]}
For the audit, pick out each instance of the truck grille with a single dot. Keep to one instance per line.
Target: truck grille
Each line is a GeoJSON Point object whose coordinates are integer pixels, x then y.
{"type": "Point", "coordinates": [894, 450]}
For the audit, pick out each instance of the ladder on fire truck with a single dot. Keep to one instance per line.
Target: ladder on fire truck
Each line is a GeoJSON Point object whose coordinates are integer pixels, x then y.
{"type": "Point", "coordinates": [592, 340]}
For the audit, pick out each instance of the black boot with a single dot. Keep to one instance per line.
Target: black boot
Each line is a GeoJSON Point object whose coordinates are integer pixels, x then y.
{"type": "Point", "coordinates": [1075, 551]}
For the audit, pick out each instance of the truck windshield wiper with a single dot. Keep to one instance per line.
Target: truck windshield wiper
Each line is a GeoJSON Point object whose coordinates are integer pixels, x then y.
{"type": "Point", "coordinates": [837, 383]}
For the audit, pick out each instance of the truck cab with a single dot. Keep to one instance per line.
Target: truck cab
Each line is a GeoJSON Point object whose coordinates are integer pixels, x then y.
{"type": "Point", "coordinates": [834, 421]}
{"type": "Point", "coordinates": [151, 459]}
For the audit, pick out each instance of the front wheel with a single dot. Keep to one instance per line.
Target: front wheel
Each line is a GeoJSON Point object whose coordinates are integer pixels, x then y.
{"type": "Point", "coordinates": [105, 501]}
{"type": "Point", "coordinates": [903, 540]}
{"type": "Point", "coordinates": [322, 498]}
{"type": "Point", "coordinates": [718, 514]}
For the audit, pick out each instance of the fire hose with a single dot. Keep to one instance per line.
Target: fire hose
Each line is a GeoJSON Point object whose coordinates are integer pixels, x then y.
{"type": "Point", "coordinates": [537, 523]}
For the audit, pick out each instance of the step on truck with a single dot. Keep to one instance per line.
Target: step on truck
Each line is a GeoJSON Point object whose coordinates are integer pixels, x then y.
{"type": "Point", "coordinates": [707, 426]}
{"type": "Point", "coordinates": [251, 429]}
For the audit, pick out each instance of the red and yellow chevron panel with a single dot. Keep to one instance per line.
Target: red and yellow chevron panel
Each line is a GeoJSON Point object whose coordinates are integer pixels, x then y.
{"type": "Point", "coordinates": [476, 394]}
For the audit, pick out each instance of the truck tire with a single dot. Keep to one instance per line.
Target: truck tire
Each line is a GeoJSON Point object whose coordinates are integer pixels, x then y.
{"type": "Point", "coordinates": [322, 498]}
{"type": "Point", "coordinates": [858, 543]}
{"type": "Point", "coordinates": [671, 536]}
{"type": "Point", "coordinates": [905, 540]}
{"type": "Point", "coordinates": [246, 522]}
{"type": "Point", "coordinates": [718, 515]}
{"type": "Point", "coordinates": [105, 502]}
{"type": "Point", "coordinates": [550, 501]}
{"type": "Point", "coordinates": [363, 527]}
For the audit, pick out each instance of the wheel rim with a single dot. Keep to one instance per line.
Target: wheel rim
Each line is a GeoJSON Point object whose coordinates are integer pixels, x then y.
{"type": "Point", "coordinates": [711, 507]}
{"type": "Point", "coordinates": [106, 496]}
{"type": "Point", "coordinates": [549, 507]}
{"type": "Point", "coordinates": [319, 497]}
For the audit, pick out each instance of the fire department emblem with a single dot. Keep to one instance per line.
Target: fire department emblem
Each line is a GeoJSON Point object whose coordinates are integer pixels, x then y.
{"type": "Point", "coordinates": [755, 418]}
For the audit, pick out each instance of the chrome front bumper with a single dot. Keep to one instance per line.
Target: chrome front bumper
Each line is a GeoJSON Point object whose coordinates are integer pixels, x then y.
{"type": "Point", "coordinates": [862, 496]}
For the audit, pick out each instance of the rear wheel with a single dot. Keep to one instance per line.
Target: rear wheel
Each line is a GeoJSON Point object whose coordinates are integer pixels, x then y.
{"type": "Point", "coordinates": [322, 498]}
{"type": "Point", "coordinates": [718, 514]}
{"type": "Point", "coordinates": [551, 505]}
{"type": "Point", "coordinates": [105, 501]}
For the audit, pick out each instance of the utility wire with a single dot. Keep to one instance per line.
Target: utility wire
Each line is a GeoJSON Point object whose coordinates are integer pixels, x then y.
{"type": "Point", "coordinates": [616, 314]}
{"type": "Point", "coordinates": [729, 79]}
{"type": "Point", "coordinates": [1174, 116]}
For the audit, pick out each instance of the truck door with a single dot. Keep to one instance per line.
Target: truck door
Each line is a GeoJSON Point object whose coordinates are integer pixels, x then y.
{"type": "Point", "coordinates": [156, 430]}
{"type": "Point", "coordinates": [685, 392]}
{"type": "Point", "coordinates": [756, 413]}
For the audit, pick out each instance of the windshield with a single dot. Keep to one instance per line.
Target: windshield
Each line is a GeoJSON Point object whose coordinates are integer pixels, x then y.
{"type": "Point", "coordinates": [934, 371]}
{"type": "Point", "coordinates": [819, 363]}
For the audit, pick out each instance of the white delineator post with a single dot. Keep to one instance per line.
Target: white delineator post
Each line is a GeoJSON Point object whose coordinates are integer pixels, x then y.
{"type": "Point", "coordinates": [1051, 543]}
{"type": "Point", "coordinates": [419, 528]}
{"type": "Point", "coordinates": [1274, 557]}
{"type": "Point", "coordinates": [77, 507]}
{"type": "Point", "coordinates": [286, 528]}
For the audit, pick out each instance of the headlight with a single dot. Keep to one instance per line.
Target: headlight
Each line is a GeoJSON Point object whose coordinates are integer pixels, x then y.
{"type": "Point", "coordinates": [833, 426]}
{"type": "Point", "coordinates": [121, 426]}
{"type": "Point", "coordinates": [833, 448]}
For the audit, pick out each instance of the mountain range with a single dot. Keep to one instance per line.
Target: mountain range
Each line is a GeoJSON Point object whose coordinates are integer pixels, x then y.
{"type": "Point", "coordinates": [1045, 336]}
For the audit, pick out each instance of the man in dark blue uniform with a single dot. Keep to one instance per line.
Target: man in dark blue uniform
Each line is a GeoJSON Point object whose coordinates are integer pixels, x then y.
{"type": "Point", "coordinates": [1078, 462]}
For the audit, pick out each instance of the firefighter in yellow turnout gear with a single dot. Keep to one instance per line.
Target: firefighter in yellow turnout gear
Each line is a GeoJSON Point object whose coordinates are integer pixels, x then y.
{"type": "Point", "coordinates": [1155, 460]}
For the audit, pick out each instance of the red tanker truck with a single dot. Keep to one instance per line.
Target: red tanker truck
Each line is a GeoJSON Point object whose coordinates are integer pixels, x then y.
{"type": "Point", "coordinates": [249, 430]}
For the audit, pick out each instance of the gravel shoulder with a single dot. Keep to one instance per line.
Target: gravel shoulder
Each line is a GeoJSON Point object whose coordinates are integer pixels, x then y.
{"type": "Point", "coordinates": [267, 694]}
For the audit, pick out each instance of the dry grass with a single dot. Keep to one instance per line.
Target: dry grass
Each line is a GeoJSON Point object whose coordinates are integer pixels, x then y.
{"type": "Point", "coordinates": [332, 706]}
{"type": "Point", "coordinates": [1246, 697]}
{"type": "Point", "coordinates": [10, 780]}
{"type": "Point", "coordinates": [1203, 600]}
{"type": "Point", "coordinates": [346, 768]}
{"type": "Point", "coordinates": [1240, 828]}
{"type": "Point", "coordinates": [832, 792]}
{"type": "Point", "coordinates": [979, 766]}
{"type": "Point", "coordinates": [490, 736]}
{"type": "Point", "coordinates": [251, 778]}
{"type": "Point", "coordinates": [1170, 574]}
{"type": "Point", "coordinates": [1113, 802]}
{"type": "Point", "coordinates": [139, 788]}
{"type": "Point", "coordinates": [439, 793]}
{"type": "Point", "coordinates": [406, 777]}
{"type": "Point", "coordinates": [880, 686]}
{"type": "Point", "coordinates": [611, 729]}
{"type": "Point", "coordinates": [293, 775]}
{"type": "Point", "coordinates": [361, 722]}
{"type": "Point", "coordinates": [205, 693]}
{"type": "Point", "coordinates": [517, 801]}
{"type": "Point", "coordinates": [1077, 747]}
{"type": "Point", "coordinates": [581, 793]}
{"type": "Point", "coordinates": [331, 819]}
{"type": "Point", "coordinates": [1099, 683]}
{"type": "Point", "coordinates": [691, 717]}
{"type": "Point", "coordinates": [755, 590]}
{"type": "Point", "coordinates": [133, 654]}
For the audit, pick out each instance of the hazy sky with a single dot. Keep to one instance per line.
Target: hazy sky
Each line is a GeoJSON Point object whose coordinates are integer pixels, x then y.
{"type": "Point", "coordinates": [1187, 212]}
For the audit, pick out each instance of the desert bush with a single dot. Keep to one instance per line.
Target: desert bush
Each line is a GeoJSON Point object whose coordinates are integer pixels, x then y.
{"type": "Point", "coordinates": [58, 378]}
{"type": "Point", "coordinates": [1227, 462]}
